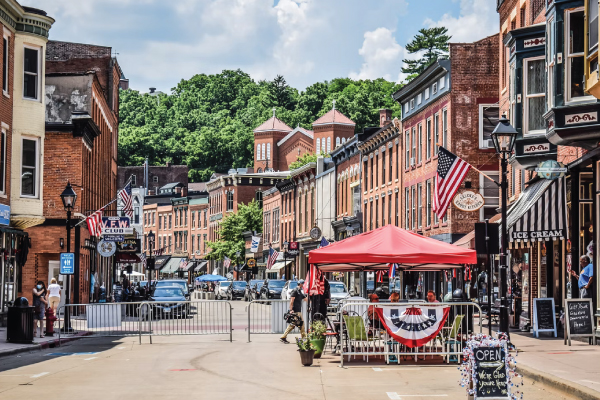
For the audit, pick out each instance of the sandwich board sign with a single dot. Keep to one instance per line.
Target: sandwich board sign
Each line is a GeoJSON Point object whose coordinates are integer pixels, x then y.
{"type": "Point", "coordinates": [543, 316]}
{"type": "Point", "coordinates": [579, 320]}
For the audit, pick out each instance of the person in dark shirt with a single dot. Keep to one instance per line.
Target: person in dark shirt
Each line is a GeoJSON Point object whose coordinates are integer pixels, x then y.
{"type": "Point", "coordinates": [296, 298]}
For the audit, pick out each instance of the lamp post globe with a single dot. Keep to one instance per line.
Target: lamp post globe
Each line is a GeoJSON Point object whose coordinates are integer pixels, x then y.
{"type": "Point", "coordinates": [68, 197]}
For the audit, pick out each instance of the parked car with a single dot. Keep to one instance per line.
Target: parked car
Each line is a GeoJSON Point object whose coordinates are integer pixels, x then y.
{"type": "Point", "coordinates": [271, 289]}
{"type": "Point", "coordinates": [236, 290]}
{"type": "Point", "coordinates": [172, 302]}
{"type": "Point", "coordinates": [338, 292]}
{"type": "Point", "coordinates": [248, 292]}
{"type": "Point", "coordinates": [287, 289]}
{"type": "Point", "coordinates": [255, 291]}
{"type": "Point", "coordinates": [221, 289]}
{"type": "Point", "coordinates": [182, 283]}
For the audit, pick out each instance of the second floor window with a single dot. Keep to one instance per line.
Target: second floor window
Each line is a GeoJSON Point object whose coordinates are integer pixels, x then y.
{"type": "Point", "coordinates": [29, 168]}
{"type": "Point", "coordinates": [229, 201]}
{"type": "Point", "coordinates": [535, 101]}
{"type": "Point", "coordinates": [31, 70]}
{"type": "Point", "coordinates": [574, 46]}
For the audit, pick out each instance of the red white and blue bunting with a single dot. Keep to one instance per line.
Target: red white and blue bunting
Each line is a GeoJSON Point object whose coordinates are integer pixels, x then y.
{"type": "Point", "coordinates": [413, 326]}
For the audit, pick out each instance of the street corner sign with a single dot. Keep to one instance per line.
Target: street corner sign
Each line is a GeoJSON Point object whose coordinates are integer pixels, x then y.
{"type": "Point", "coordinates": [116, 226]}
{"type": "Point", "coordinates": [551, 169]}
{"type": "Point", "coordinates": [67, 263]}
{"type": "Point", "coordinates": [106, 249]}
{"type": "Point", "coordinates": [468, 201]}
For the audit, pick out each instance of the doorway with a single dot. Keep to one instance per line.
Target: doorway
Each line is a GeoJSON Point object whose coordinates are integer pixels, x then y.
{"type": "Point", "coordinates": [54, 272]}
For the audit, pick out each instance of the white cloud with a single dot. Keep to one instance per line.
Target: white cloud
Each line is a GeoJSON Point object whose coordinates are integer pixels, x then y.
{"type": "Point", "coordinates": [477, 19]}
{"type": "Point", "coordinates": [382, 56]}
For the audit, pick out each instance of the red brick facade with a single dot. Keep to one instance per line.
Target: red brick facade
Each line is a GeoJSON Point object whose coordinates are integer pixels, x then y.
{"type": "Point", "coordinates": [6, 117]}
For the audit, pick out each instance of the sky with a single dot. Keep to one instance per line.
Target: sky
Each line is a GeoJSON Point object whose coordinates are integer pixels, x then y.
{"type": "Point", "coordinates": [158, 42]}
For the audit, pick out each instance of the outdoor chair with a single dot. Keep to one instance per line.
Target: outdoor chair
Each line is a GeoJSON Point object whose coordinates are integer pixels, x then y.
{"type": "Point", "coordinates": [357, 334]}
{"type": "Point", "coordinates": [451, 337]}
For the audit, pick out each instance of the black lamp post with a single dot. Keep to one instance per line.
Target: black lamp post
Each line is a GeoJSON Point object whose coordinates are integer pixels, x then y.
{"type": "Point", "coordinates": [504, 136]}
{"type": "Point", "coordinates": [68, 197]}
{"type": "Point", "coordinates": [150, 262]}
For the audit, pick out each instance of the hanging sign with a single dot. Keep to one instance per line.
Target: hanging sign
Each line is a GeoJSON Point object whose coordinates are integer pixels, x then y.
{"type": "Point", "coordinates": [551, 169]}
{"type": "Point", "coordinates": [129, 246]}
{"type": "Point", "coordinates": [116, 226]}
{"type": "Point", "coordinates": [106, 249]}
{"type": "Point", "coordinates": [579, 319]}
{"type": "Point", "coordinates": [468, 201]}
{"type": "Point", "coordinates": [113, 238]}
{"type": "Point", "coordinates": [293, 249]}
{"type": "Point", "coordinates": [543, 316]}
{"type": "Point", "coordinates": [255, 243]}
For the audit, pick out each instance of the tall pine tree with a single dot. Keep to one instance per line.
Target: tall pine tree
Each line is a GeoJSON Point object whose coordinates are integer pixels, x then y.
{"type": "Point", "coordinates": [434, 43]}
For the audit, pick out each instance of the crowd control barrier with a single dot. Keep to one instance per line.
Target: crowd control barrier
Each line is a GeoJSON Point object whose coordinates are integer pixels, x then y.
{"type": "Point", "coordinates": [266, 316]}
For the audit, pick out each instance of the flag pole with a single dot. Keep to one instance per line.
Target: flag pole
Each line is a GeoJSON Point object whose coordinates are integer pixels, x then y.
{"type": "Point", "coordinates": [475, 169]}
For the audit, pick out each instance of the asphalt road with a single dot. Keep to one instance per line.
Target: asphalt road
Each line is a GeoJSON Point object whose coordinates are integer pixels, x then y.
{"type": "Point", "coordinates": [210, 367]}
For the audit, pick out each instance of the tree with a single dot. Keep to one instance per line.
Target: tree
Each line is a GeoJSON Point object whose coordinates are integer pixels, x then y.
{"type": "Point", "coordinates": [249, 217]}
{"type": "Point", "coordinates": [434, 43]}
{"type": "Point", "coordinates": [304, 159]}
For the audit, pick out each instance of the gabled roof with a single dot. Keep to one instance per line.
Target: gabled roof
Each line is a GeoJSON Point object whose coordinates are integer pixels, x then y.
{"type": "Point", "coordinates": [197, 187]}
{"type": "Point", "coordinates": [306, 132]}
{"type": "Point", "coordinates": [334, 117]}
{"type": "Point", "coordinates": [273, 124]}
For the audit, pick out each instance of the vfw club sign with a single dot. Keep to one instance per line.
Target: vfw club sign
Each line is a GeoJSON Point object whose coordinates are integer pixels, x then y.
{"type": "Point", "coordinates": [116, 226]}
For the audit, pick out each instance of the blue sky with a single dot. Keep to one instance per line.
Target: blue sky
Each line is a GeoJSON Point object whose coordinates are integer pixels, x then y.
{"type": "Point", "coordinates": [161, 42]}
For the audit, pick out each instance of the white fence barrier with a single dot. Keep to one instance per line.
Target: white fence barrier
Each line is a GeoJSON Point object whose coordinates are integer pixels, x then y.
{"type": "Point", "coordinates": [266, 316]}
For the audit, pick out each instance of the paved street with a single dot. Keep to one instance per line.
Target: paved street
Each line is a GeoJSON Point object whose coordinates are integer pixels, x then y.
{"type": "Point", "coordinates": [212, 367]}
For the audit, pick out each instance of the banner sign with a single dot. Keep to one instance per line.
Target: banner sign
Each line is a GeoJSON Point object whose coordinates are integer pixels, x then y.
{"type": "Point", "coordinates": [116, 226]}
{"type": "Point", "coordinates": [113, 238]}
{"type": "Point", "coordinates": [67, 263]}
{"type": "Point", "coordinates": [468, 201]}
{"type": "Point", "coordinates": [255, 243]}
{"type": "Point", "coordinates": [411, 325]}
{"type": "Point", "coordinates": [129, 246]}
{"type": "Point", "coordinates": [547, 235]}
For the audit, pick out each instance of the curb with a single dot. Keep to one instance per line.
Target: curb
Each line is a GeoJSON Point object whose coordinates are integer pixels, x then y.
{"type": "Point", "coordinates": [563, 385]}
{"type": "Point", "coordinates": [42, 346]}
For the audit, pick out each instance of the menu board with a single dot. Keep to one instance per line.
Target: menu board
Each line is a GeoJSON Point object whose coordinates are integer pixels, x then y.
{"type": "Point", "coordinates": [579, 320]}
{"type": "Point", "coordinates": [543, 316]}
{"type": "Point", "coordinates": [491, 373]}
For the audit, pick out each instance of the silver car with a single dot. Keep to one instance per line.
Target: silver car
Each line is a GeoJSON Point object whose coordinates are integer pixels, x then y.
{"type": "Point", "coordinates": [221, 289]}
{"type": "Point", "coordinates": [338, 292]}
{"type": "Point", "coordinates": [287, 289]}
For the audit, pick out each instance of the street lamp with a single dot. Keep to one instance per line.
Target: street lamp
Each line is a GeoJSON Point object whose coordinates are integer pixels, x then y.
{"type": "Point", "coordinates": [149, 262]}
{"type": "Point", "coordinates": [504, 136]}
{"type": "Point", "coordinates": [68, 197]}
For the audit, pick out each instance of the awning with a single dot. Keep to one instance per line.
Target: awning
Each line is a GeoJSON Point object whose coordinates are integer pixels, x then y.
{"type": "Point", "coordinates": [466, 241]}
{"type": "Point", "coordinates": [160, 261]}
{"type": "Point", "coordinates": [189, 267]}
{"type": "Point", "coordinates": [540, 213]}
{"type": "Point", "coordinates": [171, 266]}
{"type": "Point", "coordinates": [127, 258]}
{"type": "Point", "coordinates": [279, 265]}
{"type": "Point", "coordinates": [200, 266]}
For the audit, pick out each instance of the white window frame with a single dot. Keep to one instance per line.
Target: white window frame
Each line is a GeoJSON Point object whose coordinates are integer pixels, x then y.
{"type": "Point", "coordinates": [407, 150]}
{"type": "Point", "coordinates": [39, 73]}
{"type": "Point", "coordinates": [550, 61]}
{"type": "Point", "coordinates": [407, 208]}
{"type": "Point", "coordinates": [413, 215]}
{"type": "Point", "coordinates": [268, 151]}
{"type": "Point", "coordinates": [258, 152]}
{"type": "Point", "coordinates": [36, 184]}
{"type": "Point", "coordinates": [436, 133]}
{"type": "Point", "coordinates": [5, 64]}
{"type": "Point", "coordinates": [3, 160]}
{"type": "Point", "coordinates": [445, 128]}
{"type": "Point", "coordinates": [328, 145]}
{"type": "Point", "coordinates": [568, 56]}
{"type": "Point", "coordinates": [419, 98]}
{"type": "Point", "coordinates": [428, 199]}
{"type": "Point", "coordinates": [337, 141]}
{"type": "Point", "coordinates": [442, 82]}
{"type": "Point", "coordinates": [496, 176]}
{"type": "Point", "coordinates": [414, 143]}
{"type": "Point", "coordinates": [412, 103]}
{"type": "Point", "coordinates": [592, 4]}
{"type": "Point", "coordinates": [318, 146]}
{"type": "Point", "coordinates": [263, 151]}
{"type": "Point", "coordinates": [429, 134]}
{"type": "Point", "coordinates": [420, 205]}
{"type": "Point", "coordinates": [420, 147]}
{"type": "Point", "coordinates": [527, 96]}
{"type": "Point", "coordinates": [426, 93]}
{"type": "Point", "coordinates": [406, 107]}
{"type": "Point", "coordinates": [482, 145]}
{"type": "Point", "coordinates": [434, 88]}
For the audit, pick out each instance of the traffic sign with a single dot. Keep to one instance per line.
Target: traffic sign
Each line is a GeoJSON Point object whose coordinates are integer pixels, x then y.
{"type": "Point", "coordinates": [67, 263]}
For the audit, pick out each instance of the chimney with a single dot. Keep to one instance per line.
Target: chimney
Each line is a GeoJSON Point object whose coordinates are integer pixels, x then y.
{"type": "Point", "coordinates": [385, 117]}
{"type": "Point", "coordinates": [177, 190]}
{"type": "Point", "coordinates": [184, 191]}
{"type": "Point", "coordinates": [152, 90]}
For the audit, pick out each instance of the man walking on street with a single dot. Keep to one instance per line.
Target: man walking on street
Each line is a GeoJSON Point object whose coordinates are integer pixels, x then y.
{"type": "Point", "coordinates": [296, 298]}
{"type": "Point", "coordinates": [586, 277]}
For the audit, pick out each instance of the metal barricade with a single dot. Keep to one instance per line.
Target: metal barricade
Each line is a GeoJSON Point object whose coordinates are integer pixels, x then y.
{"type": "Point", "coordinates": [146, 318]}
{"type": "Point", "coordinates": [367, 338]}
{"type": "Point", "coordinates": [266, 316]}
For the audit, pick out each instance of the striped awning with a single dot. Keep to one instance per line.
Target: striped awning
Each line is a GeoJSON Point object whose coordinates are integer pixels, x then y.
{"type": "Point", "coordinates": [171, 266]}
{"type": "Point", "coordinates": [540, 214]}
{"type": "Point", "coordinates": [201, 266]}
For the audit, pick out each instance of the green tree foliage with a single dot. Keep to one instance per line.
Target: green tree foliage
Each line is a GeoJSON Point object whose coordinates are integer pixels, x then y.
{"type": "Point", "coordinates": [248, 218]}
{"type": "Point", "coordinates": [303, 160]}
{"type": "Point", "coordinates": [433, 42]}
{"type": "Point", "coordinates": [207, 121]}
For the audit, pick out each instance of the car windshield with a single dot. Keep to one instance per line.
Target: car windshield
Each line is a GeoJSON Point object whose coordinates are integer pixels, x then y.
{"type": "Point", "coordinates": [182, 284]}
{"type": "Point", "coordinates": [254, 282]}
{"type": "Point", "coordinates": [337, 288]}
{"type": "Point", "coordinates": [276, 284]}
{"type": "Point", "coordinates": [239, 285]}
{"type": "Point", "coordinates": [224, 283]}
{"type": "Point", "coordinates": [168, 292]}
{"type": "Point", "coordinates": [293, 285]}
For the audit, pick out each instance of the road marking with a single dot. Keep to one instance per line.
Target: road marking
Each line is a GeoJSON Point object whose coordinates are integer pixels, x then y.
{"type": "Point", "coordinates": [178, 370]}
{"type": "Point", "coordinates": [121, 348]}
{"type": "Point", "coordinates": [396, 396]}
{"type": "Point", "coordinates": [86, 353]}
{"type": "Point", "coordinates": [88, 359]}
{"type": "Point", "coordinates": [40, 374]}
{"type": "Point", "coordinates": [562, 352]}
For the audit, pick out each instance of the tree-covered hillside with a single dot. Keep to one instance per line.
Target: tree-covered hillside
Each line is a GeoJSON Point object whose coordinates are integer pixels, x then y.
{"type": "Point", "coordinates": [207, 121]}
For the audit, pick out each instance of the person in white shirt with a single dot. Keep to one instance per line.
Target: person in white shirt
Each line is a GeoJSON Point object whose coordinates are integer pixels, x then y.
{"type": "Point", "coordinates": [54, 295]}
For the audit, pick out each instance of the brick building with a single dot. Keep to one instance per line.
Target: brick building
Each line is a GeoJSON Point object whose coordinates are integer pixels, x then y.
{"type": "Point", "coordinates": [152, 178]}
{"type": "Point", "coordinates": [80, 147]}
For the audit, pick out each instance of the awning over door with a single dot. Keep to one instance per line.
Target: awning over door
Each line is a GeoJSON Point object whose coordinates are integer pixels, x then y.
{"type": "Point", "coordinates": [279, 265]}
{"type": "Point", "coordinates": [201, 266]}
{"type": "Point", "coordinates": [171, 266]}
{"type": "Point", "coordinates": [189, 266]}
{"type": "Point", "coordinates": [540, 214]}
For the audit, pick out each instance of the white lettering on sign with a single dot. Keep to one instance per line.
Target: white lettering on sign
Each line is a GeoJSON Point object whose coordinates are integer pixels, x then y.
{"type": "Point", "coordinates": [468, 201]}
{"type": "Point", "coordinates": [526, 235]}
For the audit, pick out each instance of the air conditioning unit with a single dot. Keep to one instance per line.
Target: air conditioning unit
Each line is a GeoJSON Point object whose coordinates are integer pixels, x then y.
{"type": "Point", "coordinates": [488, 143]}
{"type": "Point", "coordinates": [412, 161]}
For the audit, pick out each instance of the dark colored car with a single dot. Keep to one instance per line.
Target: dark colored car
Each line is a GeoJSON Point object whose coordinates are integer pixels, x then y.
{"type": "Point", "coordinates": [236, 290]}
{"type": "Point", "coordinates": [255, 290]}
{"type": "Point", "coordinates": [248, 296]}
{"type": "Point", "coordinates": [182, 283]}
{"type": "Point", "coordinates": [272, 288]}
{"type": "Point", "coordinates": [171, 302]}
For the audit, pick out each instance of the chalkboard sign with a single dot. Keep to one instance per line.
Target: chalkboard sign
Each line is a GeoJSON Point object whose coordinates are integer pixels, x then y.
{"type": "Point", "coordinates": [579, 320]}
{"type": "Point", "coordinates": [543, 316]}
{"type": "Point", "coordinates": [491, 373]}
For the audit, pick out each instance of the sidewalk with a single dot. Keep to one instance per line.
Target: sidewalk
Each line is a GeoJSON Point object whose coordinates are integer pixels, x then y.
{"type": "Point", "coordinates": [574, 369]}
{"type": "Point", "coordinates": [7, 349]}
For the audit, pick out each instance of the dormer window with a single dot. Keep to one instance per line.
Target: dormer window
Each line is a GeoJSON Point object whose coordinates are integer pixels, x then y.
{"type": "Point", "coordinates": [434, 88]}
{"type": "Point", "coordinates": [412, 103]}
{"type": "Point", "coordinates": [574, 46]}
{"type": "Point", "coordinates": [426, 93]}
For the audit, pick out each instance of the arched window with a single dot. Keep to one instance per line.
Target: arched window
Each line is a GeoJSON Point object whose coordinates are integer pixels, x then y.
{"type": "Point", "coordinates": [337, 141]}
{"type": "Point", "coordinates": [258, 151]}
{"type": "Point", "coordinates": [323, 146]}
{"type": "Point", "coordinates": [259, 170]}
{"type": "Point", "coordinates": [318, 146]}
{"type": "Point", "coordinates": [328, 145]}
{"type": "Point", "coordinates": [268, 151]}
{"type": "Point", "coordinates": [343, 140]}
{"type": "Point", "coordinates": [263, 152]}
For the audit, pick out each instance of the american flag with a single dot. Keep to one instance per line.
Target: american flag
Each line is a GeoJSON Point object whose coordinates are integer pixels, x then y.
{"type": "Point", "coordinates": [273, 254]}
{"type": "Point", "coordinates": [94, 223]}
{"type": "Point", "coordinates": [125, 196]}
{"type": "Point", "coordinates": [182, 264]}
{"type": "Point", "coordinates": [226, 264]}
{"type": "Point", "coordinates": [392, 272]}
{"type": "Point", "coordinates": [451, 171]}
{"type": "Point", "coordinates": [144, 260]}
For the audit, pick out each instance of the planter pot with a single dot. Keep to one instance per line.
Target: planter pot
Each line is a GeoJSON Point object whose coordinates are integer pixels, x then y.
{"type": "Point", "coordinates": [319, 345]}
{"type": "Point", "coordinates": [306, 357]}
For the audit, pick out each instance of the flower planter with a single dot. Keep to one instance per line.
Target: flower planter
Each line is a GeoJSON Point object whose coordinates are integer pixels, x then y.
{"type": "Point", "coordinates": [306, 357]}
{"type": "Point", "coordinates": [318, 345]}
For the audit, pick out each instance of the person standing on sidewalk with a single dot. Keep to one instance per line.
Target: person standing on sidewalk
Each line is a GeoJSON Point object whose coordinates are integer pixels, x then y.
{"type": "Point", "coordinates": [585, 277]}
{"type": "Point", "coordinates": [40, 303]}
{"type": "Point", "coordinates": [296, 298]}
{"type": "Point", "coordinates": [54, 295]}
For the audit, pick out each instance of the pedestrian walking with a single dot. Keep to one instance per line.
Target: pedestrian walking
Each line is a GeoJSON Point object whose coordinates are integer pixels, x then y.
{"type": "Point", "coordinates": [585, 277]}
{"type": "Point", "coordinates": [39, 302]}
{"type": "Point", "coordinates": [296, 298]}
{"type": "Point", "coordinates": [54, 295]}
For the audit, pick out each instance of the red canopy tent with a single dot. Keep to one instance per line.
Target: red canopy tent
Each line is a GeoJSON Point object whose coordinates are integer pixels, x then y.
{"type": "Point", "coordinates": [374, 250]}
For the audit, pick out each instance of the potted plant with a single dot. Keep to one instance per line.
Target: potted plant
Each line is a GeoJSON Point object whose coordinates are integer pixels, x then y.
{"type": "Point", "coordinates": [317, 337]}
{"type": "Point", "coordinates": [306, 350]}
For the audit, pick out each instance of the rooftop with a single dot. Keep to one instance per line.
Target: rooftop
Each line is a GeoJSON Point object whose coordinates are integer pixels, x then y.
{"type": "Point", "coordinates": [273, 124]}
{"type": "Point", "coordinates": [197, 187]}
{"type": "Point", "coordinates": [334, 117]}
{"type": "Point", "coordinates": [300, 129]}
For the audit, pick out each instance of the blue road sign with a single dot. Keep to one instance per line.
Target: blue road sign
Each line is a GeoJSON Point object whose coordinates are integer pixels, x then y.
{"type": "Point", "coordinates": [67, 263]}
{"type": "Point", "coordinates": [113, 238]}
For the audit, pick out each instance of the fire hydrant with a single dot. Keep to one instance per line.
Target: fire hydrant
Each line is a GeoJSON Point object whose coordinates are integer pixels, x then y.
{"type": "Point", "coordinates": [50, 318]}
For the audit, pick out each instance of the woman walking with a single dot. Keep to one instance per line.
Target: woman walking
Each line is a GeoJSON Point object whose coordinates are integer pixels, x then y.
{"type": "Point", "coordinates": [54, 295]}
{"type": "Point", "coordinates": [40, 303]}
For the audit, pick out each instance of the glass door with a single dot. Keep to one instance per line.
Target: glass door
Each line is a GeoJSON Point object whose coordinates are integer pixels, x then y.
{"type": "Point", "coordinates": [54, 272]}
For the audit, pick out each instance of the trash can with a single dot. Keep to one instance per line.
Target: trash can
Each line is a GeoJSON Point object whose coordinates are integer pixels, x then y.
{"type": "Point", "coordinates": [20, 322]}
